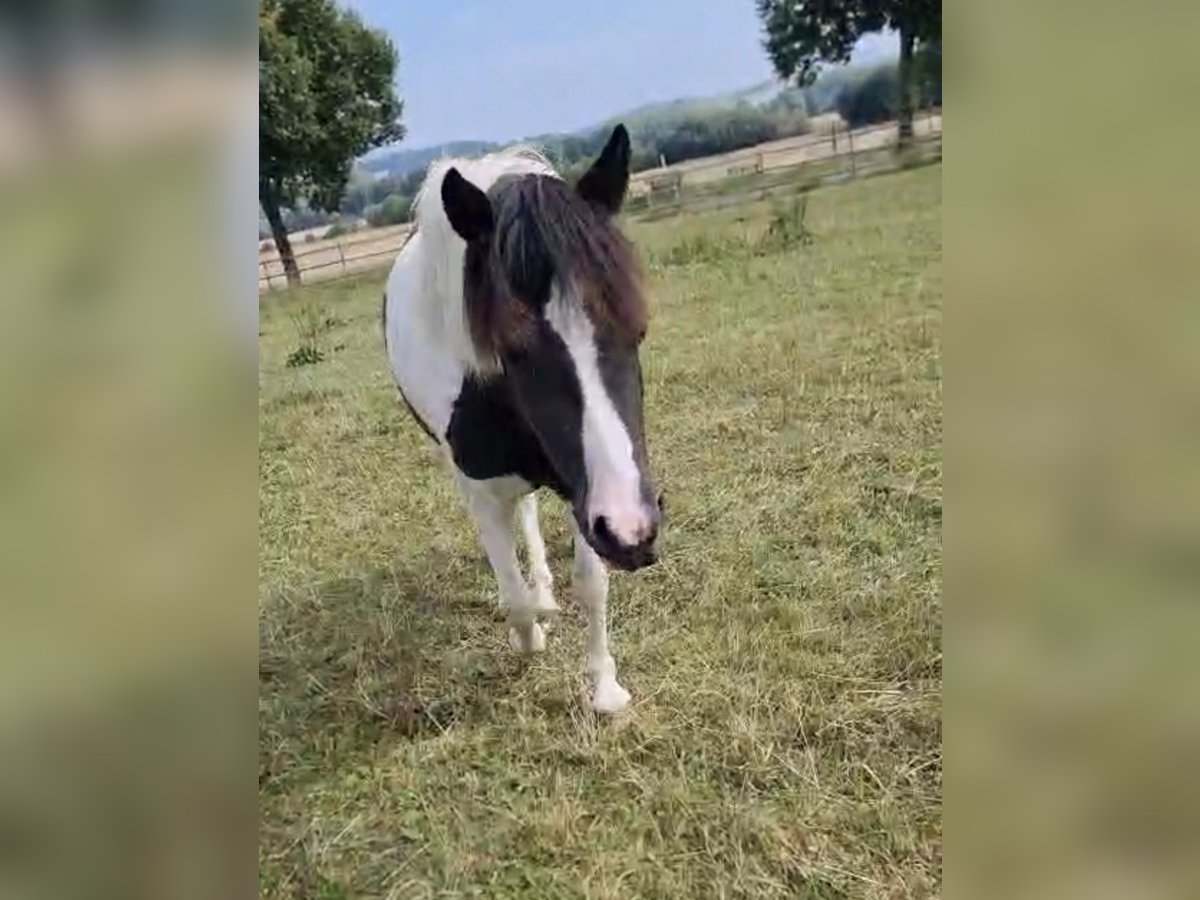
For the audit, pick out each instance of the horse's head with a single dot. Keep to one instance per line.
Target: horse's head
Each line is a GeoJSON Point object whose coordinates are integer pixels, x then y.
{"type": "Point", "coordinates": [553, 296]}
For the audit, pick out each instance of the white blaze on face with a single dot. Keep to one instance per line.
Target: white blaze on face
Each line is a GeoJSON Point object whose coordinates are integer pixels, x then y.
{"type": "Point", "coordinates": [614, 481]}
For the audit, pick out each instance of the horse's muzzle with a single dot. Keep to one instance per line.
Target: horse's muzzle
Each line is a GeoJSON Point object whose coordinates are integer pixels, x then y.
{"type": "Point", "coordinates": [619, 555]}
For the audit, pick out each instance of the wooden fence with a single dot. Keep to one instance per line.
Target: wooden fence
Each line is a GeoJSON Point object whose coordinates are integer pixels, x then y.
{"type": "Point", "coordinates": [335, 258]}
{"type": "Point", "coordinates": [810, 159]}
{"type": "Point", "coordinates": [712, 182]}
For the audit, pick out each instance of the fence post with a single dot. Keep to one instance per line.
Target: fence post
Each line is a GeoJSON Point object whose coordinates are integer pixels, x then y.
{"type": "Point", "coordinates": [853, 162]}
{"type": "Point", "coordinates": [342, 255]}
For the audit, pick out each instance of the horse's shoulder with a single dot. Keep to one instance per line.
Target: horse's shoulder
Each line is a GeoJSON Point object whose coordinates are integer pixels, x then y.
{"type": "Point", "coordinates": [488, 438]}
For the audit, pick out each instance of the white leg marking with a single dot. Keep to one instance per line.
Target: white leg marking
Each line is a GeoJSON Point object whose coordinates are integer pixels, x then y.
{"type": "Point", "coordinates": [539, 569]}
{"type": "Point", "coordinates": [590, 585]}
{"type": "Point", "coordinates": [493, 506]}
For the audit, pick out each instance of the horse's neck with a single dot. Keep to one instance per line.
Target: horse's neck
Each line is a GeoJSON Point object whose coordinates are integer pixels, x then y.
{"type": "Point", "coordinates": [437, 303]}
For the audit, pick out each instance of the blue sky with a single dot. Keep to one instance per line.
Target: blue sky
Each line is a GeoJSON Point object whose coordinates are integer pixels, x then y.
{"type": "Point", "coordinates": [505, 70]}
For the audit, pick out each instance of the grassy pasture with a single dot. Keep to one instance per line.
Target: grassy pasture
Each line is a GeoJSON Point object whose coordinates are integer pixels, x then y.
{"type": "Point", "coordinates": [784, 656]}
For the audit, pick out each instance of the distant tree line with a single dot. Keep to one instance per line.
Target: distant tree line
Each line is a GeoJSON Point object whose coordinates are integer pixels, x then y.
{"type": "Point", "coordinates": [673, 133]}
{"type": "Point", "coordinates": [676, 134]}
{"type": "Point", "coordinates": [382, 201]}
{"type": "Point", "coordinates": [294, 220]}
{"type": "Point", "coordinates": [869, 95]}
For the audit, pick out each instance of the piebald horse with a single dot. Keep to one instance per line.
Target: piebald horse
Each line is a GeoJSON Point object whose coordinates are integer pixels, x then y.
{"type": "Point", "coordinates": [512, 320]}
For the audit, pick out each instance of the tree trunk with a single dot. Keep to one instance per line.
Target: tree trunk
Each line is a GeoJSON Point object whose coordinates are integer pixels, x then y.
{"type": "Point", "coordinates": [904, 112]}
{"type": "Point", "coordinates": [270, 204]}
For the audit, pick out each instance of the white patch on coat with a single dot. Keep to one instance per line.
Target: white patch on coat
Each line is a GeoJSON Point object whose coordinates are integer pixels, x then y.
{"type": "Point", "coordinates": [614, 481]}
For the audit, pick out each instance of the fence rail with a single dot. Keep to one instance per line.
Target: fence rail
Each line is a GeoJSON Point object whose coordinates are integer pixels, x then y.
{"type": "Point", "coordinates": [334, 258]}
{"type": "Point", "coordinates": [753, 166]}
{"type": "Point", "coordinates": [708, 183]}
{"type": "Point", "coordinates": [356, 239]}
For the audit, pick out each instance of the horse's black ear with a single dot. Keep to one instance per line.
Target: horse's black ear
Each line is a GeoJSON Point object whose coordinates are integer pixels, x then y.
{"type": "Point", "coordinates": [467, 207]}
{"type": "Point", "coordinates": [605, 182]}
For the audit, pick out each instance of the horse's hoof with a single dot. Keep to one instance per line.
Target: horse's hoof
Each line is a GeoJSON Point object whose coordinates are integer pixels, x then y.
{"type": "Point", "coordinates": [610, 698]}
{"type": "Point", "coordinates": [530, 639]}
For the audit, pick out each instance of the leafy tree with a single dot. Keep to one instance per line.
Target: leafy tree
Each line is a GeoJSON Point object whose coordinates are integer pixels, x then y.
{"type": "Point", "coordinates": [397, 208]}
{"type": "Point", "coordinates": [822, 95]}
{"type": "Point", "coordinates": [790, 100]}
{"type": "Point", "coordinates": [326, 95]}
{"type": "Point", "coordinates": [873, 97]}
{"type": "Point", "coordinates": [800, 34]}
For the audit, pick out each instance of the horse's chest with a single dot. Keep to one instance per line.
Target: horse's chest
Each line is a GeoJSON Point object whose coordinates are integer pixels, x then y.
{"type": "Point", "coordinates": [489, 439]}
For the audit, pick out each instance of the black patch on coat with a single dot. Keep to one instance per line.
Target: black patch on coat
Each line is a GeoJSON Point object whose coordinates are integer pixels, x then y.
{"type": "Point", "coordinates": [546, 395]}
{"type": "Point", "coordinates": [489, 437]}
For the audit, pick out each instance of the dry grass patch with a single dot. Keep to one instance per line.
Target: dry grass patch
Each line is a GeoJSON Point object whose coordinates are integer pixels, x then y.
{"type": "Point", "coordinates": [784, 657]}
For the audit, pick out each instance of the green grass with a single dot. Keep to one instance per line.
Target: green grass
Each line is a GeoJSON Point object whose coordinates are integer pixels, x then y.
{"type": "Point", "coordinates": [784, 656]}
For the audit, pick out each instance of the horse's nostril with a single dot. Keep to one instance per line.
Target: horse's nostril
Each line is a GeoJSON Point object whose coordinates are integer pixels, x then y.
{"type": "Point", "coordinates": [651, 535]}
{"type": "Point", "coordinates": [641, 539]}
{"type": "Point", "coordinates": [600, 530]}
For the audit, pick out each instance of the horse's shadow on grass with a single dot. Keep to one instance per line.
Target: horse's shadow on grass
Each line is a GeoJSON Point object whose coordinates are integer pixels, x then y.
{"type": "Point", "coordinates": [385, 657]}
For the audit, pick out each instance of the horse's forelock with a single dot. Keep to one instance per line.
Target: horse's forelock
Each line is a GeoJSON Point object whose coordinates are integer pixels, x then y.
{"type": "Point", "coordinates": [545, 234]}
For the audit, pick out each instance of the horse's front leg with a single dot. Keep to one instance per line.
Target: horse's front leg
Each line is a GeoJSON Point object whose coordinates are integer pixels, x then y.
{"type": "Point", "coordinates": [539, 569]}
{"type": "Point", "coordinates": [590, 586]}
{"type": "Point", "coordinates": [493, 506]}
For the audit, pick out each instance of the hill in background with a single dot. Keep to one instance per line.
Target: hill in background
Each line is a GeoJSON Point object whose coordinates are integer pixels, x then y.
{"type": "Point", "coordinates": [397, 161]}
{"type": "Point", "coordinates": [384, 183]}
{"type": "Point", "coordinates": [402, 160]}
